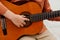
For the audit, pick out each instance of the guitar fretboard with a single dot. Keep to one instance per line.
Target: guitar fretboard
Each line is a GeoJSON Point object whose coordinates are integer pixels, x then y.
{"type": "Point", "coordinates": [43, 16]}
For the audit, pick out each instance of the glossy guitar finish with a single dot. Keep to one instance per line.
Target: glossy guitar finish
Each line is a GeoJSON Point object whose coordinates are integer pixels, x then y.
{"type": "Point", "coordinates": [13, 33]}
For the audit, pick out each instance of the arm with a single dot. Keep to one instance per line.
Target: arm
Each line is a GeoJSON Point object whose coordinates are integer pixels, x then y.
{"type": "Point", "coordinates": [18, 20]}
{"type": "Point", "coordinates": [47, 8]}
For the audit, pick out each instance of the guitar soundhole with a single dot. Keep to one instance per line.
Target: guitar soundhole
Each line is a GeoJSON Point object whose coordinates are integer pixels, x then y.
{"type": "Point", "coordinates": [27, 14]}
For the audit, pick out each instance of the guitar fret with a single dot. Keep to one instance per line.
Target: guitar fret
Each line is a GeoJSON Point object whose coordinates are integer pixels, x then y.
{"type": "Point", "coordinates": [52, 14]}
{"type": "Point", "coordinates": [43, 16]}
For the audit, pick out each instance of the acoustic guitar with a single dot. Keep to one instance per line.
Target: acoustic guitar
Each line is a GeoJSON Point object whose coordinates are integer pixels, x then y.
{"type": "Point", "coordinates": [32, 11]}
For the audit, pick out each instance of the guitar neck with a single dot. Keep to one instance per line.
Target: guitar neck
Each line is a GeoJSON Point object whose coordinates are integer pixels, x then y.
{"type": "Point", "coordinates": [45, 15]}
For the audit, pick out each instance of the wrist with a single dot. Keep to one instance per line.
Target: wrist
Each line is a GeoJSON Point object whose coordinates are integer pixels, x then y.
{"type": "Point", "coordinates": [8, 14]}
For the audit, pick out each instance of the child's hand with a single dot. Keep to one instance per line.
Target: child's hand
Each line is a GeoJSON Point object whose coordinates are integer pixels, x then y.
{"type": "Point", "coordinates": [18, 20]}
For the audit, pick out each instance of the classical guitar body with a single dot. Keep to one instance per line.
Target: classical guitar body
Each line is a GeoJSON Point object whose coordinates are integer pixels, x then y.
{"type": "Point", "coordinates": [13, 32]}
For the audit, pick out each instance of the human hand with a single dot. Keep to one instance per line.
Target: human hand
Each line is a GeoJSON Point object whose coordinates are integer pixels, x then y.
{"type": "Point", "coordinates": [18, 20]}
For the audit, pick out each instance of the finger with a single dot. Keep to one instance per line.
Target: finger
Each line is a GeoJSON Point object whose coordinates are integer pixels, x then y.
{"type": "Point", "coordinates": [21, 25]}
{"type": "Point", "coordinates": [23, 16]}
{"type": "Point", "coordinates": [26, 19]}
{"type": "Point", "coordinates": [24, 23]}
